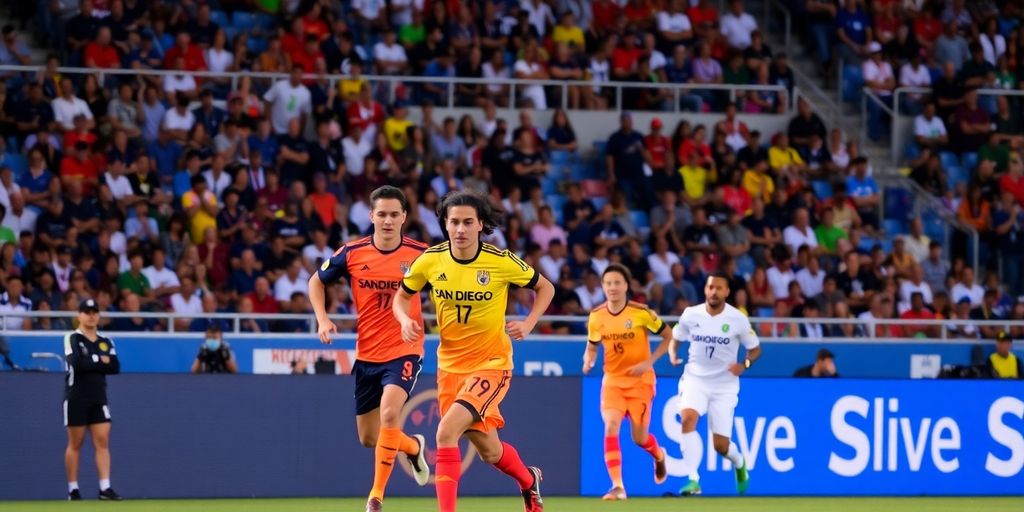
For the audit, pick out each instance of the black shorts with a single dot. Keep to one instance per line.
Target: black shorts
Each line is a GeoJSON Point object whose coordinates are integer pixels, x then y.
{"type": "Point", "coordinates": [78, 414]}
{"type": "Point", "coordinates": [372, 377]}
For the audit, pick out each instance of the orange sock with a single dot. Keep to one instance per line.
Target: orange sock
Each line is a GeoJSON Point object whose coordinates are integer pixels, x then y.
{"type": "Point", "coordinates": [406, 444]}
{"type": "Point", "coordinates": [389, 442]}
{"type": "Point", "coordinates": [613, 460]}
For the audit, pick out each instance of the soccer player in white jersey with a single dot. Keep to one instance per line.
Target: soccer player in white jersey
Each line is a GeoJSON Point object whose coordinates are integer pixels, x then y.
{"type": "Point", "coordinates": [710, 383]}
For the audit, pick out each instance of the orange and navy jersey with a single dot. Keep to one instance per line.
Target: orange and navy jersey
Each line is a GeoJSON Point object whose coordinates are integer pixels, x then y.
{"type": "Point", "coordinates": [374, 277]}
{"type": "Point", "coordinates": [470, 297]}
{"type": "Point", "coordinates": [626, 339]}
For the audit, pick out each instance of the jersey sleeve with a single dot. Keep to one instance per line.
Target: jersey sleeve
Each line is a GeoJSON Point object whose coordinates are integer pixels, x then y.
{"type": "Point", "coordinates": [519, 272]}
{"type": "Point", "coordinates": [748, 337]}
{"type": "Point", "coordinates": [593, 329]}
{"type": "Point", "coordinates": [652, 321]}
{"type": "Point", "coordinates": [418, 275]}
{"type": "Point", "coordinates": [681, 332]}
{"type": "Point", "coordinates": [114, 366]}
{"type": "Point", "coordinates": [334, 268]}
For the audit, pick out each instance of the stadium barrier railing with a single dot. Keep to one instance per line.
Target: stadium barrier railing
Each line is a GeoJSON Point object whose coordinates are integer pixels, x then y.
{"type": "Point", "coordinates": [770, 328]}
{"type": "Point", "coordinates": [392, 83]}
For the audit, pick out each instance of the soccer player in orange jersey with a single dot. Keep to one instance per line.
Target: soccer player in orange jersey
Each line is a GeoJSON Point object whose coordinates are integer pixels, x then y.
{"type": "Point", "coordinates": [469, 287]}
{"type": "Point", "coordinates": [627, 390]}
{"type": "Point", "coordinates": [386, 367]}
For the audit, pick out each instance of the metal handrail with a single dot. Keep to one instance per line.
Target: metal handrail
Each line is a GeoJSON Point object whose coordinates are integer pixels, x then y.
{"type": "Point", "coordinates": [787, 21]}
{"type": "Point", "coordinates": [868, 94]}
{"type": "Point", "coordinates": [619, 86]}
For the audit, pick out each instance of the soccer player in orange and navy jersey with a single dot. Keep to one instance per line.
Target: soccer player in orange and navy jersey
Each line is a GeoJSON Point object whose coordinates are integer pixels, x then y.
{"type": "Point", "coordinates": [469, 283]}
{"type": "Point", "coordinates": [386, 367]}
{"type": "Point", "coordinates": [627, 390]}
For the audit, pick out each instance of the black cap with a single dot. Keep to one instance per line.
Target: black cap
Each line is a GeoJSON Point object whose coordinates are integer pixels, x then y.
{"type": "Point", "coordinates": [213, 326]}
{"type": "Point", "coordinates": [88, 305]}
{"type": "Point", "coordinates": [1004, 336]}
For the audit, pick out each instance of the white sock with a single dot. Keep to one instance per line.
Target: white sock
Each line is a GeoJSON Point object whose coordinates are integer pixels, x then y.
{"type": "Point", "coordinates": [72, 486]}
{"type": "Point", "coordinates": [734, 455]}
{"type": "Point", "coordinates": [692, 452]}
{"type": "Point", "coordinates": [104, 484]}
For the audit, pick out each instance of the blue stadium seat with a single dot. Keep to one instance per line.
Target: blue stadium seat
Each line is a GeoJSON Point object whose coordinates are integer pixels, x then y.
{"type": "Point", "coordinates": [970, 161]}
{"type": "Point", "coordinates": [17, 163]}
{"type": "Point", "coordinates": [853, 82]}
{"type": "Point", "coordinates": [243, 21]}
{"type": "Point", "coordinates": [257, 45]}
{"type": "Point", "coordinates": [230, 32]}
{"type": "Point", "coordinates": [599, 146]}
{"type": "Point", "coordinates": [219, 17]}
{"type": "Point", "coordinates": [265, 22]}
{"type": "Point", "coordinates": [822, 189]}
{"type": "Point", "coordinates": [934, 228]}
{"type": "Point", "coordinates": [555, 201]}
{"type": "Point", "coordinates": [948, 159]}
{"type": "Point", "coordinates": [897, 204]}
{"type": "Point", "coordinates": [894, 226]}
{"type": "Point", "coordinates": [549, 186]}
{"type": "Point", "coordinates": [640, 218]}
{"type": "Point", "coordinates": [956, 174]}
{"type": "Point", "coordinates": [580, 172]}
{"type": "Point", "coordinates": [765, 312]}
{"type": "Point", "coordinates": [912, 151]}
{"type": "Point", "coordinates": [562, 157]}
{"type": "Point", "coordinates": [599, 202]}
{"type": "Point", "coordinates": [12, 145]}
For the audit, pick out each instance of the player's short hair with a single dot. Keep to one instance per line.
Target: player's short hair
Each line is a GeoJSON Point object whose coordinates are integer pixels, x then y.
{"type": "Point", "coordinates": [620, 269]}
{"type": "Point", "coordinates": [389, 192]}
{"type": "Point", "coordinates": [824, 354]}
{"type": "Point", "coordinates": [490, 215]}
{"type": "Point", "coordinates": [719, 275]}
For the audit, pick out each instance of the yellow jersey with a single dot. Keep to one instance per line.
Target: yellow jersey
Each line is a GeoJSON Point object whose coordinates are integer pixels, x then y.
{"type": "Point", "coordinates": [470, 297]}
{"type": "Point", "coordinates": [396, 131]}
{"type": "Point", "coordinates": [626, 339]}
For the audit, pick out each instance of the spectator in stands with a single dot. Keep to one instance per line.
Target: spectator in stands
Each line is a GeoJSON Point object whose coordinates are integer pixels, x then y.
{"type": "Point", "coordinates": [130, 303]}
{"type": "Point", "coordinates": [625, 156]}
{"type": "Point", "coordinates": [707, 70]}
{"type": "Point", "coordinates": [737, 25]}
{"type": "Point", "coordinates": [972, 124]}
{"type": "Point", "coordinates": [879, 77]}
{"type": "Point", "coordinates": [800, 233]}
{"type": "Point", "coordinates": [162, 280]}
{"type": "Point", "coordinates": [186, 302]}
{"type": "Point", "coordinates": [824, 366]}
{"type": "Point", "coordinates": [966, 287]}
{"type": "Point", "coordinates": [918, 311]}
{"type": "Point", "coordinates": [951, 47]}
{"type": "Point", "coordinates": [286, 100]}
{"type": "Point", "coordinates": [214, 355]}
{"type": "Point", "coordinates": [929, 129]}
{"type": "Point", "coordinates": [1003, 363]}
{"type": "Point", "coordinates": [68, 106]}
{"type": "Point", "coordinates": [1008, 224]}
{"type": "Point", "coordinates": [821, 20]}
{"type": "Point", "coordinates": [1008, 123]}
{"type": "Point", "coordinates": [100, 53]}
{"type": "Point", "coordinates": [805, 125]}
{"type": "Point", "coordinates": [914, 74]}
{"type": "Point", "coordinates": [853, 30]}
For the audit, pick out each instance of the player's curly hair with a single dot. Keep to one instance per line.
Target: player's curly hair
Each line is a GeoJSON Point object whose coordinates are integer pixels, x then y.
{"type": "Point", "coordinates": [490, 214]}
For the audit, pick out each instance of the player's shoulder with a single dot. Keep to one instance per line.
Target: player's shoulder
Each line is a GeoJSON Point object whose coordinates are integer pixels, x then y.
{"type": "Point", "coordinates": [413, 244]}
{"type": "Point", "coordinates": [438, 248]}
{"type": "Point", "coordinates": [492, 250]}
{"type": "Point", "coordinates": [639, 307]}
{"type": "Point", "coordinates": [601, 308]}
{"type": "Point", "coordinates": [355, 245]}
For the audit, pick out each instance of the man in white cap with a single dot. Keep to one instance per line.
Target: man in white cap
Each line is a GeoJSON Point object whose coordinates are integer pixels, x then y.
{"type": "Point", "coordinates": [879, 77]}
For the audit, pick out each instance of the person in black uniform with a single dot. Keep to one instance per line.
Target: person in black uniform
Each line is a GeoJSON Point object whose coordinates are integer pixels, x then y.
{"type": "Point", "coordinates": [90, 358]}
{"type": "Point", "coordinates": [215, 355]}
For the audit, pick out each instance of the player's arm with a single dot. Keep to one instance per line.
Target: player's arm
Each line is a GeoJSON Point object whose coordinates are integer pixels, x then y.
{"type": "Point", "coordinates": [330, 271]}
{"type": "Point", "coordinates": [658, 327]}
{"type": "Point", "coordinates": [414, 281]}
{"type": "Point", "coordinates": [593, 341]}
{"type": "Point", "coordinates": [680, 334]}
{"type": "Point", "coordinates": [750, 341]}
{"type": "Point", "coordinates": [519, 329]}
{"type": "Point", "coordinates": [75, 360]}
{"type": "Point", "coordinates": [110, 364]}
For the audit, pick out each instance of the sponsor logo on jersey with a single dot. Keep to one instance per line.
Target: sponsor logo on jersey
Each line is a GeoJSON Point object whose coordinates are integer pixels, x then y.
{"type": "Point", "coordinates": [377, 284]}
{"type": "Point", "coordinates": [365, 267]}
{"type": "Point", "coordinates": [725, 327]}
{"type": "Point", "coordinates": [618, 336]}
{"type": "Point", "coordinates": [325, 265]}
{"type": "Point", "coordinates": [629, 324]}
{"type": "Point", "coordinates": [483, 277]}
{"type": "Point", "coordinates": [463, 295]}
{"type": "Point", "coordinates": [442, 277]}
{"type": "Point", "coordinates": [714, 340]}
{"type": "Point", "coordinates": [404, 267]}
{"type": "Point", "coordinates": [104, 347]}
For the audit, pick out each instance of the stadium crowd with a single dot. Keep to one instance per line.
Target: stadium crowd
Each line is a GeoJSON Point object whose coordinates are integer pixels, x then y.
{"type": "Point", "coordinates": [146, 194]}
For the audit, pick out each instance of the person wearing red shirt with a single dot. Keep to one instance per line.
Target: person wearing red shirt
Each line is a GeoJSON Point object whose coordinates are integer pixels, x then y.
{"type": "Point", "coordinates": [192, 54]}
{"type": "Point", "coordinates": [308, 56]}
{"type": "Point", "coordinates": [606, 13]}
{"type": "Point", "coordinates": [639, 13]}
{"type": "Point", "coordinates": [80, 167]}
{"type": "Point", "coordinates": [659, 147]}
{"type": "Point", "coordinates": [262, 298]}
{"type": "Point", "coordinates": [918, 311]}
{"type": "Point", "coordinates": [624, 57]}
{"type": "Point", "coordinates": [294, 42]}
{"type": "Point", "coordinates": [365, 113]}
{"type": "Point", "coordinates": [695, 147]}
{"type": "Point", "coordinates": [704, 18]}
{"type": "Point", "coordinates": [1013, 180]}
{"type": "Point", "coordinates": [100, 54]}
{"type": "Point", "coordinates": [736, 196]}
{"type": "Point", "coordinates": [80, 133]}
{"type": "Point", "coordinates": [312, 25]}
{"type": "Point", "coordinates": [927, 28]}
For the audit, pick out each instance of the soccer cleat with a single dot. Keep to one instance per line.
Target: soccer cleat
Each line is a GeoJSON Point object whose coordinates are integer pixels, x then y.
{"type": "Point", "coordinates": [531, 496]}
{"type": "Point", "coordinates": [692, 488]}
{"type": "Point", "coordinates": [614, 494]}
{"type": "Point", "coordinates": [742, 478]}
{"type": "Point", "coordinates": [109, 495]}
{"type": "Point", "coordinates": [74, 495]}
{"type": "Point", "coordinates": [660, 471]}
{"type": "Point", "coordinates": [420, 468]}
{"type": "Point", "coordinates": [374, 505]}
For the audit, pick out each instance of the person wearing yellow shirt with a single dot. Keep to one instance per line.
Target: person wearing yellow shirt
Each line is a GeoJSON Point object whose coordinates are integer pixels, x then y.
{"type": "Point", "coordinates": [200, 205]}
{"type": "Point", "coordinates": [396, 127]}
{"type": "Point", "coordinates": [695, 180]}
{"type": "Point", "coordinates": [758, 183]}
{"type": "Point", "coordinates": [567, 32]}
{"type": "Point", "coordinates": [785, 160]}
{"type": "Point", "coordinates": [1003, 363]}
{"type": "Point", "coordinates": [350, 86]}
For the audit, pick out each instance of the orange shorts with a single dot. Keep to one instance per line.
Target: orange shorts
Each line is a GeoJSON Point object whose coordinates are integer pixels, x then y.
{"type": "Point", "coordinates": [481, 392]}
{"type": "Point", "coordinates": [633, 401]}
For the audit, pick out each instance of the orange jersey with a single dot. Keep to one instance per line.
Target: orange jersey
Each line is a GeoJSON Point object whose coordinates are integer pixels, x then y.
{"type": "Point", "coordinates": [470, 297]}
{"type": "Point", "coordinates": [626, 339]}
{"type": "Point", "coordinates": [374, 277]}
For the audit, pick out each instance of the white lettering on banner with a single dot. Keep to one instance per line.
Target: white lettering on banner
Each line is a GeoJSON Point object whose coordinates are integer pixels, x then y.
{"type": "Point", "coordinates": [542, 368]}
{"type": "Point", "coordinates": [945, 436]}
{"type": "Point", "coordinates": [780, 434]}
{"type": "Point", "coordinates": [1005, 436]}
{"type": "Point", "coordinates": [279, 360]}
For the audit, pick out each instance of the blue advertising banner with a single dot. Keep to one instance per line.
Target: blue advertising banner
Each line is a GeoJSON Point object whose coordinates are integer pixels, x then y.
{"type": "Point", "coordinates": [204, 436]}
{"type": "Point", "coordinates": [835, 437]}
{"type": "Point", "coordinates": [548, 357]}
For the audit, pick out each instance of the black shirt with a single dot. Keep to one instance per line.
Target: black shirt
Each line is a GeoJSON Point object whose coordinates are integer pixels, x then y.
{"type": "Point", "coordinates": [805, 128]}
{"type": "Point", "coordinates": [84, 210]}
{"type": "Point", "coordinates": [528, 181]}
{"type": "Point", "coordinates": [86, 378]}
{"type": "Point", "coordinates": [325, 159]}
{"type": "Point", "coordinates": [291, 171]}
{"type": "Point", "coordinates": [863, 282]}
{"type": "Point", "coordinates": [626, 149]}
{"type": "Point", "coordinates": [56, 226]}
{"type": "Point", "coordinates": [944, 89]}
{"type": "Point", "coordinates": [702, 235]}
{"type": "Point", "coordinates": [499, 161]}
{"type": "Point", "coordinates": [749, 157]}
{"type": "Point", "coordinates": [805, 371]}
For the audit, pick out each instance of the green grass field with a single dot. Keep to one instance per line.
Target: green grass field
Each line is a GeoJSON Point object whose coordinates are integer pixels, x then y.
{"type": "Point", "coordinates": [553, 504]}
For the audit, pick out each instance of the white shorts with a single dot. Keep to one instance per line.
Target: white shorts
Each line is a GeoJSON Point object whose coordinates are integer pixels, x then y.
{"type": "Point", "coordinates": [717, 400]}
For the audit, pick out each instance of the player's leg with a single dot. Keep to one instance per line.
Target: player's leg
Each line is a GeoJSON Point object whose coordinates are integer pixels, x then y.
{"type": "Point", "coordinates": [505, 458]}
{"type": "Point", "coordinates": [76, 436]}
{"type": "Point", "coordinates": [100, 434]}
{"type": "Point", "coordinates": [368, 428]}
{"type": "Point", "coordinates": [368, 393]}
{"type": "Point", "coordinates": [398, 381]}
{"type": "Point", "coordinates": [448, 467]}
{"type": "Point", "coordinates": [640, 410]}
{"type": "Point", "coordinates": [693, 404]}
{"type": "Point", "coordinates": [612, 417]}
{"type": "Point", "coordinates": [721, 411]}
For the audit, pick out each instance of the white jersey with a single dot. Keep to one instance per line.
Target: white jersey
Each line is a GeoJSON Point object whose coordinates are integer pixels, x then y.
{"type": "Point", "coordinates": [714, 340]}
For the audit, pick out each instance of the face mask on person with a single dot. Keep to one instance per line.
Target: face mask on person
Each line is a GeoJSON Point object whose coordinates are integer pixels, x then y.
{"type": "Point", "coordinates": [212, 343]}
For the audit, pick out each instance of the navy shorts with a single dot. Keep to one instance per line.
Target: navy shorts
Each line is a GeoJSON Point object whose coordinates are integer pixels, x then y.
{"type": "Point", "coordinates": [78, 414]}
{"type": "Point", "coordinates": [372, 377]}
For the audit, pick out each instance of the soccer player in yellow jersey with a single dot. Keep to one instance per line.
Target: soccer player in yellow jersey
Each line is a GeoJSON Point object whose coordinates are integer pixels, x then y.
{"type": "Point", "coordinates": [469, 287]}
{"type": "Point", "coordinates": [627, 390]}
